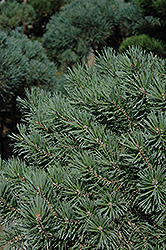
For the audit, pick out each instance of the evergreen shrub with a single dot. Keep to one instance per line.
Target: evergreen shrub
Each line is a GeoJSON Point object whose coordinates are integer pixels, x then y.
{"type": "Point", "coordinates": [82, 27]}
{"type": "Point", "coordinates": [153, 7]}
{"type": "Point", "coordinates": [23, 63]}
{"type": "Point", "coordinates": [15, 14]}
{"type": "Point", "coordinates": [146, 42]}
{"type": "Point", "coordinates": [78, 28]}
{"type": "Point", "coordinates": [44, 9]}
{"type": "Point", "coordinates": [133, 21]}
{"type": "Point", "coordinates": [92, 171]}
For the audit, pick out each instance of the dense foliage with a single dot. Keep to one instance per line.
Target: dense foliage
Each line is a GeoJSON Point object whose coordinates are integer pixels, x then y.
{"type": "Point", "coordinates": [146, 42]}
{"type": "Point", "coordinates": [15, 14]}
{"type": "Point", "coordinates": [76, 29]}
{"type": "Point", "coordinates": [133, 22]}
{"type": "Point", "coordinates": [79, 26]}
{"type": "Point", "coordinates": [83, 27]}
{"type": "Point", "coordinates": [43, 10]}
{"type": "Point", "coordinates": [23, 63]}
{"type": "Point", "coordinates": [92, 174]}
{"type": "Point", "coordinates": [153, 7]}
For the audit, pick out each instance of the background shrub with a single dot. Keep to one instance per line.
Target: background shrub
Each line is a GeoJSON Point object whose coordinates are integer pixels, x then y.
{"type": "Point", "coordinates": [153, 7]}
{"type": "Point", "coordinates": [23, 63]}
{"type": "Point", "coordinates": [15, 14]}
{"type": "Point", "coordinates": [82, 27]}
{"type": "Point", "coordinates": [43, 11]}
{"type": "Point", "coordinates": [78, 28]}
{"type": "Point", "coordinates": [146, 42]}
{"type": "Point", "coordinates": [133, 21]}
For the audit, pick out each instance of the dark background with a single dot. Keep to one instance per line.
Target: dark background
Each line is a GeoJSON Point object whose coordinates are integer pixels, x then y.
{"type": "Point", "coordinates": [9, 117]}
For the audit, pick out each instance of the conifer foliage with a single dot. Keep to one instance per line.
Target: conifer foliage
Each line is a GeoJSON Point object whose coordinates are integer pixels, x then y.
{"type": "Point", "coordinates": [92, 170]}
{"type": "Point", "coordinates": [146, 42]}
{"type": "Point", "coordinates": [23, 63]}
{"type": "Point", "coordinates": [153, 7]}
{"type": "Point", "coordinates": [85, 26]}
{"type": "Point", "coordinates": [79, 26]}
{"type": "Point", "coordinates": [15, 14]}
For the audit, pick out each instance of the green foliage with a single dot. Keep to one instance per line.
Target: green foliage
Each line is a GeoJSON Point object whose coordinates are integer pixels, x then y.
{"type": "Point", "coordinates": [153, 7]}
{"type": "Point", "coordinates": [133, 22]}
{"type": "Point", "coordinates": [44, 7]}
{"type": "Point", "coordinates": [85, 26]}
{"type": "Point", "coordinates": [43, 10]}
{"type": "Point", "coordinates": [146, 42]}
{"type": "Point", "coordinates": [23, 63]}
{"type": "Point", "coordinates": [15, 14]}
{"type": "Point", "coordinates": [79, 26]}
{"type": "Point", "coordinates": [92, 174]}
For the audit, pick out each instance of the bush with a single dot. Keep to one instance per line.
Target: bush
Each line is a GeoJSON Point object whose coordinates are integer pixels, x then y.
{"type": "Point", "coordinates": [146, 42]}
{"type": "Point", "coordinates": [15, 14]}
{"type": "Point", "coordinates": [92, 174]}
{"type": "Point", "coordinates": [43, 10]}
{"type": "Point", "coordinates": [153, 7]}
{"type": "Point", "coordinates": [133, 21]}
{"type": "Point", "coordinates": [80, 27]}
{"type": "Point", "coordinates": [23, 63]}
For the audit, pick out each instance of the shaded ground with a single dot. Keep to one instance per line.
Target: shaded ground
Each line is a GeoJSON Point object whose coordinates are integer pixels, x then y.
{"type": "Point", "coordinates": [9, 117]}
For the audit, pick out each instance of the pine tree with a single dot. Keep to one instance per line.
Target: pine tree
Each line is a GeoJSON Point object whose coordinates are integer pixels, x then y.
{"type": "Point", "coordinates": [92, 169]}
{"type": "Point", "coordinates": [23, 63]}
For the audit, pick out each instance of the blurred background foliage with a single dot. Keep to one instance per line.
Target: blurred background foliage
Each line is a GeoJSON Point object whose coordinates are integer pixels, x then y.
{"type": "Point", "coordinates": [16, 14]}
{"type": "Point", "coordinates": [146, 42]}
{"type": "Point", "coordinates": [67, 32]}
{"type": "Point", "coordinates": [24, 63]}
{"type": "Point", "coordinates": [70, 30]}
{"type": "Point", "coordinates": [154, 7]}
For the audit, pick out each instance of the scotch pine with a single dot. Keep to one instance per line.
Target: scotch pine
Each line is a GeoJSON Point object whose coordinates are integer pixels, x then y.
{"type": "Point", "coordinates": [91, 173]}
